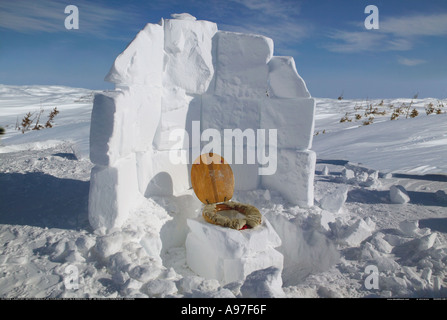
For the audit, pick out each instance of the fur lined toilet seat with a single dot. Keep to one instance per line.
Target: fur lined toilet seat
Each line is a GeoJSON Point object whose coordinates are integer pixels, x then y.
{"type": "Point", "coordinates": [252, 215]}
{"type": "Point", "coordinates": [213, 183]}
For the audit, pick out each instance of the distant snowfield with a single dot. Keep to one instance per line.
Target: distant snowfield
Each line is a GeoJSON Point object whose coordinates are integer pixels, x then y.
{"type": "Point", "coordinates": [72, 123]}
{"type": "Point", "coordinates": [355, 223]}
{"type": "Point", "coordinates": [407, 145]}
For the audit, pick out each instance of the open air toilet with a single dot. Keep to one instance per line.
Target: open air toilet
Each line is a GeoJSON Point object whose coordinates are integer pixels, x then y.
{"type": "Point", "coordinates": [230, 239]}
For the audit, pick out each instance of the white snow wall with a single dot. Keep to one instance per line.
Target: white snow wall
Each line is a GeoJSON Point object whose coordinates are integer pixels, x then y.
{"type": "Point", "coordinates": [184, 70]}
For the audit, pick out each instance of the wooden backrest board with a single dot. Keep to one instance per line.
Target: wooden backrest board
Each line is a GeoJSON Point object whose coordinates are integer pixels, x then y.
{"type": "Point", "coordinates": [212, 178]}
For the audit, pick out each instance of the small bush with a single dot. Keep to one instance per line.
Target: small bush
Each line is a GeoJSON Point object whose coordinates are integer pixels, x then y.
{"type": "Point", "coordinates": [440, 106]}
{"type": "Point", "coordinates": [430, 108]}
{"type": "Point", "coordinates": [414, 113]}
{"type": "Point", "coordinates": [394, 115]}
{"type": "Point", "coordinates": [26, 122]}
{"type": "Point", "coordinates": [38, 126]}
{"type": "Point", "coordinates": [367, 113]}
{"type": "Point", "coordinates": [369, 121]}
{"type": "Point", "coordinates": [50, 120]}
{"type": "Point", "coordinates": [318, 132]}
{"type": "Point", "coordinates": [30, 118]}
{"type": "Point", "coordinates": [380, 113]}
{"type": "Point", "coordinates": [345, 118]}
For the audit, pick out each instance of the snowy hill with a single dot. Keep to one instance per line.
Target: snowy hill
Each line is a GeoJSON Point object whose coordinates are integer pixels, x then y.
{"type": "Point", "coordinates": [406, 145]}
{"type": "Point", "coordinates": [355, 223]}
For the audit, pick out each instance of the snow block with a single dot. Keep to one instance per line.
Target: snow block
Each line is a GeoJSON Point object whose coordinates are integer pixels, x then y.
{"type": "Point", "coordinates": [294, 177]}
{"type": "Point", "coordinates": [178, 112]}
{"type": "Point", "coordinates": [241, 68]}
{"type": "Point", "coordinates": [144, 169]}
{"type": "Point", "coordinates": [103, 126]}
{"type": "Point", "coordinates": [426, 242]}
{"type": "Point", "coordinates": [239, 269]}
{"type": "Point", "coordinates": [292, 118]}
{"type": "Point", "coordinates": [409, 227]}
{"type": "Point", "coordinates": [228, 255]}
{"type": "Point", "coordinates": [246, 176]}
{"type": "Point", "coordinates": [348, 174]}
{"type": "Point", "coordinates": [108, 245]}
{"type": "Point", "coordinates": [183, 16]}
{"type": "Point", "coordinates": [357, 175]}
{"type": "Point", "coordinates": [113, 191]}
{"type": "Point", "coordinates": [142, 61]}
{"type": "Point", "coordinates": [334, 201]}
{"type": "Point", "coordinates": [233, 244]}
{"type": "Point", "coordinates": [204, 261]}
{"type": "Point", "coordinates": [265, 283]}
{"type": "Point", "coordinates": [399, 195]}
{"type": "Point", "coordinates": [159, 288]}
{"type": "Point", "coordinates": [122, 122]}
{"type": "Point", "coordinates": [188, 60]}
{"type": "Point", "coordinates": [174, 98]}
{"type": "Point", "coordinates": [305, 248]}
{"type": "Point", "coordinates": [381, 244]}
{"type": "Point", "coordinates": [145, 115]}
{"type": "Point", "coordinates": [284, 80]}
{"type": "Point", "coordinates": [227, 112]}
{"type": "Point", "coordinates": [358, 231]}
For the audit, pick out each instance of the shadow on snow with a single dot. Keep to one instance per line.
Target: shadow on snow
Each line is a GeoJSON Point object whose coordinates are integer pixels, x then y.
{"type": "Point", "coordinates": [366, 196]}
{"type": "Point", "coordinates": [42, 200]}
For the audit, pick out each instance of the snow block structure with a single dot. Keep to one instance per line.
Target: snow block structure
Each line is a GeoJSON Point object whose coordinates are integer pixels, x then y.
{"type": "Point", "coordinates": [184, 76]}
{"type": "Point", "coordinates": [229, 255]}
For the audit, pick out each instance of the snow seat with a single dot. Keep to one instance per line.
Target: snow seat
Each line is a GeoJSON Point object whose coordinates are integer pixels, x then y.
{"type": "Point", "coordinates": [219, 246]}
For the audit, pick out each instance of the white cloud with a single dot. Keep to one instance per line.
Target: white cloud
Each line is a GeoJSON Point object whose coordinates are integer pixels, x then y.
{"type": "Point", "coordinates": [277, 19]}
{"type": "Point", "coordinates": [276, 8]}
{"type": "Point", "coordinates": [283, 33]}
{"type": "Point", "coordinates": [410, 62]}
{"type": "Point", "coordinates": [347, 41]}
{"type": "Point", "coordinates": [394, 34]}
{"type": "Point", "coordinates": [417, 25]}
{"type": "Point", "coordinates": [26, 16]}
{"type": "Point", "coordinates": [30, 16]}
{"type": "Point", "coordinates": [398, 44]}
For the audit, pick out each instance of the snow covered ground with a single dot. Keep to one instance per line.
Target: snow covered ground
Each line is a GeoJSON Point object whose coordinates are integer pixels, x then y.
{"type": "Point", "coordinates": [47, 248]}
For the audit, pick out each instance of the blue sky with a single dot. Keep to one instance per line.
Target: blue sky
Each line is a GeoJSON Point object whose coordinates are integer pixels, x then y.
{"type": "Point", "coordinates": [333, 50]}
